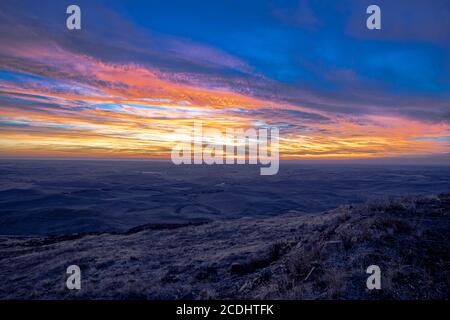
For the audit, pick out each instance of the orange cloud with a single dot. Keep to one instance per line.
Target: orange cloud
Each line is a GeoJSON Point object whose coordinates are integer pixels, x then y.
{"type": "Point", "coordinates": [82, 107]}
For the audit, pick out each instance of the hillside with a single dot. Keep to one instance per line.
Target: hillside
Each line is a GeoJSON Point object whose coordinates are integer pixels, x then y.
{"type": "Point", "coordinates": [291, 256]}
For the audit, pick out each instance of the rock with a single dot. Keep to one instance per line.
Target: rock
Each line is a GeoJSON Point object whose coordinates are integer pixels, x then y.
{"type": "Point", "coordinates": [237, 268]}
{"type": "Point", "coordinates": [266, 274]}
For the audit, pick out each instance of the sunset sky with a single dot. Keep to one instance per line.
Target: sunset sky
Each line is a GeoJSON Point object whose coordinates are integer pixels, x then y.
{"type": "Point", "coordinates": [138, 70]}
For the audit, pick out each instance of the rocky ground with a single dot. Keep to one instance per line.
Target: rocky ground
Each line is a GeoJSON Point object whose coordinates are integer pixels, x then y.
{"type": "Point", "coordinates": [291, 256]}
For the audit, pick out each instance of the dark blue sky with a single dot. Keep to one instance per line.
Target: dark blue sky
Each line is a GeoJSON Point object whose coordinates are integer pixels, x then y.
{"type": "Point", "coordinates": [302, 42]}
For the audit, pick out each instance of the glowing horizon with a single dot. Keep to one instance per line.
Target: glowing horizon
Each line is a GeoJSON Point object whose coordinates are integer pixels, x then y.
{"type": "Point", "coordinates": [85, 95]}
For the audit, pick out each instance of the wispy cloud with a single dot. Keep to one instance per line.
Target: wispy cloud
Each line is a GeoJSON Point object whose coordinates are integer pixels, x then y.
{"type": "Point", "coordinates": [122, 96]}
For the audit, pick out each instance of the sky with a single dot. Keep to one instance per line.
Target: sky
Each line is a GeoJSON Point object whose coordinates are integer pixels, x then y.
{"type": "Point", "coordinates": [138, 70]}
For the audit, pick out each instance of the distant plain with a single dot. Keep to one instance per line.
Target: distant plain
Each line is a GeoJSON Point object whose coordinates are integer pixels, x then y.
{"type": "Point", "coordinates": [39, 197]}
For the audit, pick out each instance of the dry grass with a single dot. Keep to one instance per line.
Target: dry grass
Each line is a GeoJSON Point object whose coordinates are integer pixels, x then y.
{"type": "Point", "coordinates": [407, 237]}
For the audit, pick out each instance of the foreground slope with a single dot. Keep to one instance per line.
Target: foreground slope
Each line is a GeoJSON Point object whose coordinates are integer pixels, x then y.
{"type": "Point", "coordinates": [291, 256]}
